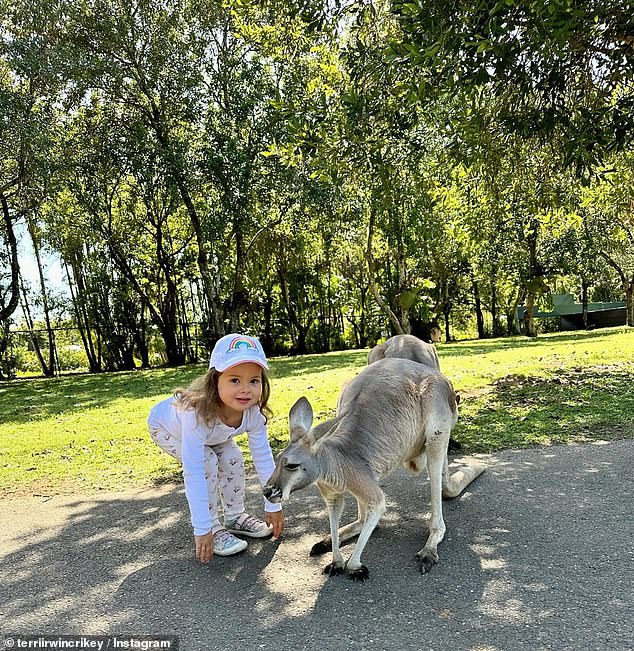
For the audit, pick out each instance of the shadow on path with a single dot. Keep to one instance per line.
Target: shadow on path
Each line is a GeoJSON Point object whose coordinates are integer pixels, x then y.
{"type": "Point", "coordinates": [537, 556]}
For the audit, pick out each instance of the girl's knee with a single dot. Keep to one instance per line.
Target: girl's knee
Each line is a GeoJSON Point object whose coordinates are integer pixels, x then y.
{"type": "Point", "coordinates": [166, 441]}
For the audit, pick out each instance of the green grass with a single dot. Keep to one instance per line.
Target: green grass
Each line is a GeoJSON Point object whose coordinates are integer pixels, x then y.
{"type": "Point", "coordinates": [88, 432]}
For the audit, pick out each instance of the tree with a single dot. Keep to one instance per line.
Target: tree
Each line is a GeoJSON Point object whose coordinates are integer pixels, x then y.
{"type": "Point", "coordinates": [550, 69]}
{"type": "Point", "coordinates": [609, 223]}
{"type": "Point", "coordinates": [48, 366]}
{"type": "Point", "coordinates": [146, 57]}
{"type": "Point", "coordinates": [29, 90]}
{"type": "Point", "coordinates": [9, 305]}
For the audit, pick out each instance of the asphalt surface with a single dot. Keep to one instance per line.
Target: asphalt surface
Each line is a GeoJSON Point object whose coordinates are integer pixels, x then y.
{"type": "Point", "coordinates": [538, 555]}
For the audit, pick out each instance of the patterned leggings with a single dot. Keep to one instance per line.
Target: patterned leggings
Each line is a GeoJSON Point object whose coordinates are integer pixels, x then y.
{"type": "Point", "coordinates": [224, 472]}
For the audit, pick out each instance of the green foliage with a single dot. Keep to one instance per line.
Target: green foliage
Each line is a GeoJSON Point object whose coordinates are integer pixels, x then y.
{"type": "Point", "coordinates": [575, 404]}
{"type": "Point", "coordinates": [539, 68]}
{"type": "Point", "coordinates": [267, 167]}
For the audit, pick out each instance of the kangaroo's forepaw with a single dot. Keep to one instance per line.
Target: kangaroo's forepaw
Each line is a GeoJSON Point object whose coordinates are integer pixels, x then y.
{"type": "Point", "coordinates": [426, 560]}
{"type": "Point", "coordinates": [321, 547]}
{"type": "Point", "coordinates": [332, 569]}
{"type": "Point", "coordinates": [360, 574]}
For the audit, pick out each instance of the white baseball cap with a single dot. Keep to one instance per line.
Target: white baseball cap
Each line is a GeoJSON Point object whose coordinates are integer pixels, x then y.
{"type": "Point", "coordinates": [235, 349]}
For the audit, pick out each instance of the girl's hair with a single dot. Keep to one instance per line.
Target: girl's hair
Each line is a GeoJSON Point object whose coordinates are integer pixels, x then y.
{"type": "Point", "coordinates": [202, 396]}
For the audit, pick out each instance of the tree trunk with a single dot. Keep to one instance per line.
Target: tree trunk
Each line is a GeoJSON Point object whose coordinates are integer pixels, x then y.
{"type": "Point", "coordinates": [446, 306]}
{"type": "Point", "coordinates": [362, 329]}
{"type": "Point", "coordinates": [400, 328]}
{"type": "Point", "coordinates": [6, 310]}
{"type": "Point", "coordinates": [238, 299]}
{"type": "Point", "coordinates": [45, 307]}
{"type": "Point", "coordinates": [532, 284]}
{"type": "Point", "coordinates": [7, 365]}
{"type": "Point", "coordinates": [495, 326]}
{"type": "Point", "coordinates": [302, 334]}
{"type": "Point", "coordinates": [47, 371]}
{"type": "Point", "coordinates": [268, 342]}
{"type": "Point", "coordinates": [168, 330]}
{"type": "Point", "coordinates": [629, 303]}
{"type": "Point", "coordinates": [167, 319]}
{"type": "Point", "coordinates": [512, 322]}
{"type": "Point", "coordinates": [211, 294]}
{"type": "Point", "coordinates": [156, 122]}
{"type": "Point", "coordinates": [83, 324]}
{"type": "Point", "coordinates": [446, 315]}
{"type": "Point", "coordinates": [292, 319]}
{"type": "Point", "coordinates": [628, 288]}
{"type": "Point", "coordinates": [584, 302]}
{"type": "Point", "coordinates": [478, 311]}
{"type": "Point", "coordinates": [530, 315]}
{"type": "Point", "coordinates": [140, 341]}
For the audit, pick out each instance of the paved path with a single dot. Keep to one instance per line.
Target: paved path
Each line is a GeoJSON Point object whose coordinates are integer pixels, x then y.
{"type": "Point", "coordinates": [538, 555]}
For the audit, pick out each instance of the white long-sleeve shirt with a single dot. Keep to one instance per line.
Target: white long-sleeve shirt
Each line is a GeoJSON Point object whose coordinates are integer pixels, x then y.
{"type": "Point", "coordinates": [194, 435]}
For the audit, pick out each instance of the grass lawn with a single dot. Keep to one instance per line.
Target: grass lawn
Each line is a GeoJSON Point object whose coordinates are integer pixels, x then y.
{"type": "Point", "coordinates": [88, 432]}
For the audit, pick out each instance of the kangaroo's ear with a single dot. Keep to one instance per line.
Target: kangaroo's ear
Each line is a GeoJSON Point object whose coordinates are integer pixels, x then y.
{"type": "Point", "coordinates": [300, 419]}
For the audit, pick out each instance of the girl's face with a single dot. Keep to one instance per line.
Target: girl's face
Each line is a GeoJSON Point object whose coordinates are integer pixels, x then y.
{"type": "Point", "coordinates": [239, 388]}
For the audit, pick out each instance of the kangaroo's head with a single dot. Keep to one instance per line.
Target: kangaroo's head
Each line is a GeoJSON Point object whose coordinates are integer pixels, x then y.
{"type": "Point", "coordinates": [295, 467]}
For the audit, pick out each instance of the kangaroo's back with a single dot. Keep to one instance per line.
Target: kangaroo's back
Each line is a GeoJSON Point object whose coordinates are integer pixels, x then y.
{"type": "Point", "coordinates": [386, 412]}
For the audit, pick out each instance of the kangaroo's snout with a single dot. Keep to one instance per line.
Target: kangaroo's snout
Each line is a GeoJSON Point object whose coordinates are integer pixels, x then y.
{"type": "Point", "coordinates": [272, 493]}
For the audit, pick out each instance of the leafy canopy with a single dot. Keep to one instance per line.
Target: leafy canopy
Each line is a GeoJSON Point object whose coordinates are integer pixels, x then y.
{"type": "Point", "coordinates": [551, 67]}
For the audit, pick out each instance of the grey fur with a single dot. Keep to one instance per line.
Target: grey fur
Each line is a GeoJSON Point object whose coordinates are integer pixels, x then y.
{"type": "Point", "coordinates": [406, 347]}
{"type": "Point", "coordinates": [411, 347]}
{"type": "Point", "coordinates": [395, 411]}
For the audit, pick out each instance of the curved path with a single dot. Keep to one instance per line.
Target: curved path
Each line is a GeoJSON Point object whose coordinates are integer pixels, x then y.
{"type": "Point", "coordinates": [538, 555]}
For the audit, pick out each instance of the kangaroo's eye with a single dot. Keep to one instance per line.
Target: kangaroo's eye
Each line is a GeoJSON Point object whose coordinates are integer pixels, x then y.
{"type": "Point", "coordinates": [292, 466]}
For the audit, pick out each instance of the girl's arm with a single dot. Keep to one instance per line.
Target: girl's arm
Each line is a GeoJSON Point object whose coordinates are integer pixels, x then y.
{"type": "Point", "coordinates": [193, 453]}
{"type": "Point", "coordinates": [261, 454]}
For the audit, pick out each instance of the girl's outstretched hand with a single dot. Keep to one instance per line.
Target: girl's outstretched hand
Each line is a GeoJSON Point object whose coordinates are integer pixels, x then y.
{"type": "Point", "coordinates": [277, 521]}
{"type": "Point", "coordinates": [204, 547]}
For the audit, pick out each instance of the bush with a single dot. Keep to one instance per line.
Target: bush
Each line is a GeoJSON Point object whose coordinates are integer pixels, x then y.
{"type": "Point", "coordinates": [25, 361]}
{"type": "Point", "coordinates": [72, 358]}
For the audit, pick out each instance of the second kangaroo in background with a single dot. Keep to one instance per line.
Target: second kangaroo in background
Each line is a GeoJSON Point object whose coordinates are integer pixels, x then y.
{"type": "Point", "coordinates": [406, 347]}
{"type": "Point", "coordinates": [411, 347]}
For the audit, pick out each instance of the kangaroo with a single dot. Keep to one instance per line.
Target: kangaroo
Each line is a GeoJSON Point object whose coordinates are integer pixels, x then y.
{"type": "Point", "coordinates": [411, 347]}
{"type": "Point", "coordinates": [406, 347]}
{"type": "Point", "coordinates": [395, 411]}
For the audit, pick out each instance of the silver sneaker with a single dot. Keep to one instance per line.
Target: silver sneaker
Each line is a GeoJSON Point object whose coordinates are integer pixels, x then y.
{"type": "Point", "coordinates": [249, 525]}
{"type": "Point", "coordinates": [226, 544]}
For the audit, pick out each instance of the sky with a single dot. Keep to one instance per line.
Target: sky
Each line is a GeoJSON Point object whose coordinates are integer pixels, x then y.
{"type": "Point", "coordinates": [53, 272]}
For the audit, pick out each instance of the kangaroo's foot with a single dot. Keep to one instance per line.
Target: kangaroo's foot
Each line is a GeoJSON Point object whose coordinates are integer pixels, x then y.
{"type": "Point", "coordinates": [359, 574]}
{"type": "Point", "coordinates": [332, 569]}
{"type": "Point", "coordinates": [321, 547]}
{"type": "Point", "coordinates": [426, 558]}
{"type": "Point", "coordinates": [325, 545]}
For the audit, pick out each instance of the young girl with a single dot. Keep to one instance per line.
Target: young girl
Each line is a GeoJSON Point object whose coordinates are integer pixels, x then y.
{"type": "Point", "coordinates": [197, 426]}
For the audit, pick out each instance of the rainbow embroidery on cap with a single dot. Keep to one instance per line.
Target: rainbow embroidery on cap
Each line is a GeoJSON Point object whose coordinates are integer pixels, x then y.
{"type": "Point", "coordinates": [241, 342]}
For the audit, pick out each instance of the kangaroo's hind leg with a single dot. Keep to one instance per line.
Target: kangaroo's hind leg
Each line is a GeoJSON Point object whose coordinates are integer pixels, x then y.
{"type": "Point", "coordinates": [436, 458]}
